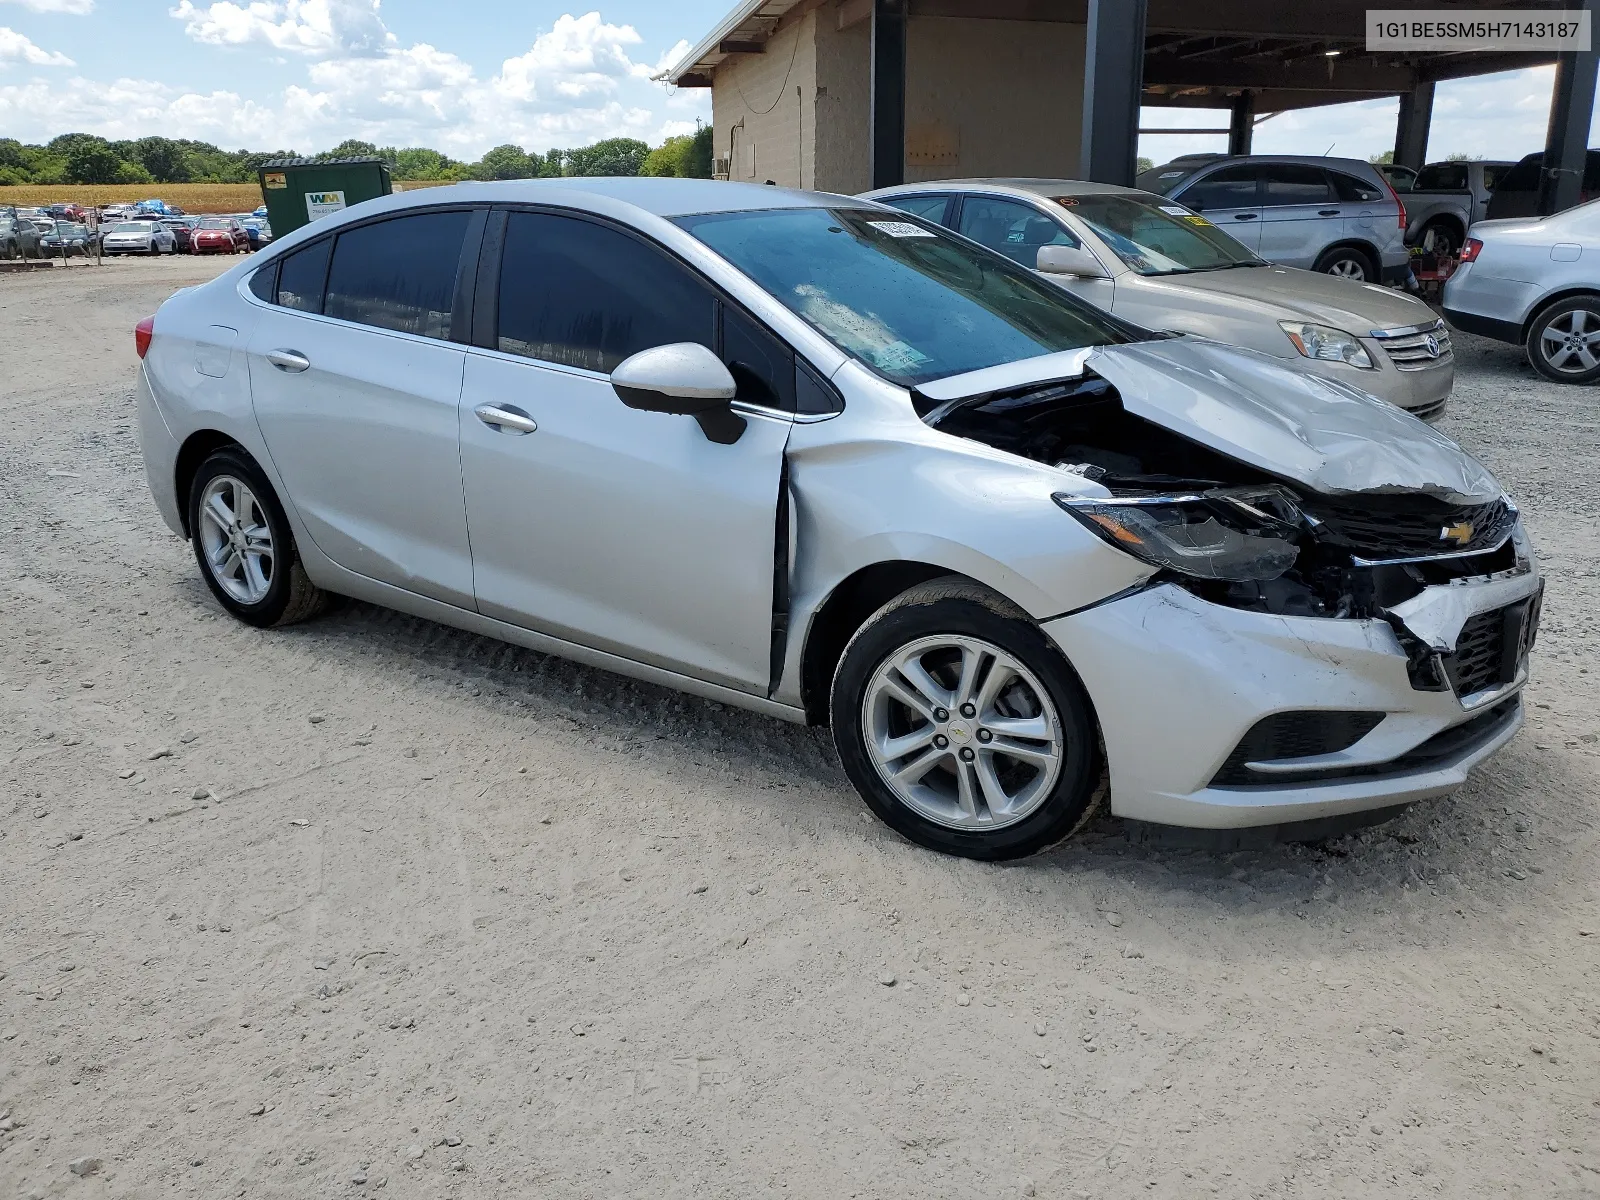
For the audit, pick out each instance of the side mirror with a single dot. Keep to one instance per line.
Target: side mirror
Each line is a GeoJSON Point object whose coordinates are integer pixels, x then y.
{"type": "Point", "coordinates": [1069, 260]}
{"type": "Point", "coordinates": [685, 379]}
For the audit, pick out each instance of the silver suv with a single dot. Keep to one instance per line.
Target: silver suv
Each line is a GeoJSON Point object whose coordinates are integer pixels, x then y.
{"type": "Point", "coordinates": [1337, 215]}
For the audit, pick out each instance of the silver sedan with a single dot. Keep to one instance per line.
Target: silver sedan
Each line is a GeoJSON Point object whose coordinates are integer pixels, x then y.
{"type": "Point", "coordinates": [1535, 282]}
{"type": "Point", "coordinates": [821, 459]}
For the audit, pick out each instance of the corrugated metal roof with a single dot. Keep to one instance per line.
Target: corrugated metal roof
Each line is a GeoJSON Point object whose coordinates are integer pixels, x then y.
{"type": "Point", "coordinates": [753, 21]}
{"type": "Point", "coordinates": [322, 162]}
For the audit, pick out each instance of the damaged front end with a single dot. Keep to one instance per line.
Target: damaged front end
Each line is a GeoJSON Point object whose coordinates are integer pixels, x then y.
{"type": "Point", "coordinates": [1261, 489]}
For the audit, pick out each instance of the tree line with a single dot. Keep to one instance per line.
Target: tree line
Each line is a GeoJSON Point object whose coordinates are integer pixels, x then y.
{"type": "Point", "coordinates": [88, 158]}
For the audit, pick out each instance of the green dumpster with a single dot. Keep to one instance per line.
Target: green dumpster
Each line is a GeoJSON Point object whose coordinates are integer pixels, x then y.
{"type": "Point", "coordinates": [297, 191]}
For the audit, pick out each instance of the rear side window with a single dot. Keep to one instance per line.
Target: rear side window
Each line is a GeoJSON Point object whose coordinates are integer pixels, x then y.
{"type": "Point", "coordinates": [303, 275]}
{"type": "Point", "coordinates": [1492, 175]}
{"type": "Point", "coordinates": [1228, 187]}
{"type": "Point", "coordinates": [1442, 177]}
{"type": "Point", "coordinates": [1354, 191]}
{"type": "Point", "coordinates": [585, 295]}
{"type": "Point", "coordinates": [1010, 227]}
{"type": "Point", "coordinates": [930, 208]}
{"type": "Point", "coordinates": [1291, 183]}
{"type": "Point", "coordinates": [398, 274]}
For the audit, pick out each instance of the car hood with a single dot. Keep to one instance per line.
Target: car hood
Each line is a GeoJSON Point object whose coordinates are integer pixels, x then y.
{"type": "Point", "coordinates": [1303, 428]}
{"type": "Point", "coordinates": [1279, 293]}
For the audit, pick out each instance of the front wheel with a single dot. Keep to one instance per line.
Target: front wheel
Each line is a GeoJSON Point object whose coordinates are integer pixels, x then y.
{"type": "Point", "coordinates": [962, 726]}
{"type": "Point", "coordinates": [244, 545]}
{"type": "Point", "coordinates": [1564, 341]}
{"type": "Point", "coordinates": [1347, 262]}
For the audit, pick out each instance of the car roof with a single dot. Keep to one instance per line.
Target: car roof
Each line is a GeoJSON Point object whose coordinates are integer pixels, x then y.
{"type": "Point", "coordinates": [1034, 187]}
{"type": "Point", "coordinates": [1324, 160]}
{"type": "Point", "coordinates": [659, 197]}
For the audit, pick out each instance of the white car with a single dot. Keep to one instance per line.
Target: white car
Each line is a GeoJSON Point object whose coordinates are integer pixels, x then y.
{"type": "Point", "coordinates": [1160, 265]}
{"type": "Point", "coordinates": [821, 459]}
{"type": "Point", "coordinates": [139, 237]}
{"type": "Point", "coordinates": [1535, 282]}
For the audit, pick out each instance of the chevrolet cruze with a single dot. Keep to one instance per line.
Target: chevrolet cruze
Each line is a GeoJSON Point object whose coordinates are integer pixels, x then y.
{"type": "Point", "coordinates": [818, 458]}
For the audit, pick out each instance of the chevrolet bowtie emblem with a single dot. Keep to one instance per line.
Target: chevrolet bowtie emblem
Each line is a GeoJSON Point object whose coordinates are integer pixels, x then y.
{"type": "Point", "coordinates": [1460, 533]}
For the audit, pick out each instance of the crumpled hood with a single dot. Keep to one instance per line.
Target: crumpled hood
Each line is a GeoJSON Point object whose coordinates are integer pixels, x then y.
{"type": "Point", "coordinates": [1284, 292]}
{"type": "Point", "coordinates": [1300, 427]}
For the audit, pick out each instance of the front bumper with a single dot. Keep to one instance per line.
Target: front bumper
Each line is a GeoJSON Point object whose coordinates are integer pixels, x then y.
{"type": "Point", "coordinates": [1178, 682]}
{"type": "Point", "coordinates": [1424, 392]}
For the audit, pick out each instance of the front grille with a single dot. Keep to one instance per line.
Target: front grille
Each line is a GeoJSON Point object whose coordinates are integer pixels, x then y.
{"type": "Point", "coordinates": [1378, 528]}
{"type": "Point", "coordinates": [1409, 349]}
{"type": "Point", "coordinates": [1294, 735]}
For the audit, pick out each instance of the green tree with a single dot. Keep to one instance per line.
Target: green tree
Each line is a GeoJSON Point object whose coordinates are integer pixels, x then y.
{"type": "Point", "coordinates": [667, 159]}
{"type": "Point", "coordinates": [509, 162]}
{"type": "Point", "coordinates": [419, 162]}
{"type": "Point", "coordinates": [350, 148]}
{"type": "Point", "coordinates": [613, 156]}
{"type": "Point", "coordinates": [165, 159]}
{"type": "Point", "coordinates": [1383, 160]}
{"type": "Point", "coordinates": [697, 163]}
{"type": "Point", "coordinates": [553, 164]}
{"type": "Point", "coordinates": [132, 172]}
{"type": "Point", "coordinates": [87, 158]}
{"type": "Point", "coordinates": [1142, 164]}
{"type": "Point", "coordinates": [1460, 156]}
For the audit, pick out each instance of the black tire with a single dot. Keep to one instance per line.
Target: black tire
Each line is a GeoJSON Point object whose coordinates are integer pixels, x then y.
{"type": "Point", "coordinates": [1348, 262]}
{"type": "Point", "coordinates": [290, 595]}
{"type": "Point", "coordinates": [956, 606]}
{"type": "Point", "coordinates": [1441, 237]}
{"type": "Point", "coordinates": [1551, 345]}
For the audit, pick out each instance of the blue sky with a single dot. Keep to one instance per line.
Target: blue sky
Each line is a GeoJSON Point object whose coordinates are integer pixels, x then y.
{"type": "Point", "coordinates": [461, 77]}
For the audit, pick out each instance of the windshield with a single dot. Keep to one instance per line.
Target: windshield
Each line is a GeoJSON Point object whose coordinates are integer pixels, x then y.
{"type": "Point", "coordinates": [1158, 238]}
{"type": "Point", "coordinates": [904, 297]}
{"type": "Point", "coordinates": [1161, 180]}
{"type": "Point", "coordinates": [133, 227]}
{"type": "Point", "coordinates": [214, 223]}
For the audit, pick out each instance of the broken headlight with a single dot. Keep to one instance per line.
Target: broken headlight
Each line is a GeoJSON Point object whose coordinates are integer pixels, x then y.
{"type": "Point", "coordinates": [1326, 343]}
{"type": "Point", "coordinates": [1234, 534]}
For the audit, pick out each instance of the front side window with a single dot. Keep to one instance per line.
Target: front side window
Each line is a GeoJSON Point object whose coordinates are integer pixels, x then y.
{"type": "Point", "coordinates": [1011, 228]}
{"type": "Point", "coordinates": [907, 299]}
{"type": "Point", "coordinates": [303, 276]}
{"type": "Point", "coordinates": [398, 274]}
{"type": "Point", "coordinates": [1154, 236]}
{"type": "Point", "coordinates": [1227, 187]}
{"type": "Point", "coordinates": [586, 295]}
{"type": "Point", "coordinates": [1292, 183]}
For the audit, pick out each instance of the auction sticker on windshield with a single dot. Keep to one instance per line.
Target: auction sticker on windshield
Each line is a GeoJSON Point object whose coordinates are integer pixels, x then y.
{"type": "Point", "coordinates": [901, 229]}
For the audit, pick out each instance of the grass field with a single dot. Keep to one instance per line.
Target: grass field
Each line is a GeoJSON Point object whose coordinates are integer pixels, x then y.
{"type": "Point", "coordinates": [191, 197]}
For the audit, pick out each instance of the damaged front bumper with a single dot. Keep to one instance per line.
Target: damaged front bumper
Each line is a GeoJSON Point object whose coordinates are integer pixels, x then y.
{"type": "Point", "coordinates": [1219, 717]}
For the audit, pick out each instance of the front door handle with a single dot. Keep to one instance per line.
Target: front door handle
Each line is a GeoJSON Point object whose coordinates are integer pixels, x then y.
{"type": "Point", "coordinates": [1245, 216]}
{"type": "Point", "coordinates": [505, 419]}
{"type": "Point", "coordinates": [1328, 212]}
{"type": "Point", "coordinates": [288, 360]}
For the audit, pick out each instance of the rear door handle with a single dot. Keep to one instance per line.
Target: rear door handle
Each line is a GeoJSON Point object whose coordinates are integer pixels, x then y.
{"type": "Point", "coordinates": [1328, 212]}
{"type": "Point", "coordinates": [288, 360]}
{"type": "Point", "coordinates": [505, 418]}
{"type": "Point", "coordinates": [1245, 216]}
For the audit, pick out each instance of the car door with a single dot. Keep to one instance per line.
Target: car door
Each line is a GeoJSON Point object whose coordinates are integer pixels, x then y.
{"type": "Point", "coordinates": [1300, 214]}
{"type": "Point", "coordinates": [1017, 229]}
{"type": "Point", "coordinates": [356, 388]}
{"type": "Point", "coordinates": [1230, 197]}
{"type": "Point", "coordinates": [1368, 212]}
{"type": "Point", "coordinates": [621, 530]}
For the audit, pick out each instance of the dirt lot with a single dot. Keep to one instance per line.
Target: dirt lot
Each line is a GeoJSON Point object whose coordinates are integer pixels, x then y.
{"type": "Point", "coordinates": [370, 899]}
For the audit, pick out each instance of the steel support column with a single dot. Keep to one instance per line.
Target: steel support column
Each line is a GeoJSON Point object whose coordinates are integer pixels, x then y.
{"type": "Point", "coordinates": [1113, 84]}
{"type": "Point", "coordinates": [1242, 123]}
{"type": "Point", "coordinates": [1566, 142]}
{"type": "Point", "coordinates": [887, 135]}
{"type": "Point", "coordinates": [1411, 130]}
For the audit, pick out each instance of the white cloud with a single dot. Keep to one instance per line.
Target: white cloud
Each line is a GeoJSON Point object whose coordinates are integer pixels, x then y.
{"type": "Point", "coordinates": [14, 48]}
{"type": "Point", "coordinates": [319, 27]}
{"type": "Point", "coordinates": [580, 58]}
{"type": "Point", "coordinates": [74, 8]}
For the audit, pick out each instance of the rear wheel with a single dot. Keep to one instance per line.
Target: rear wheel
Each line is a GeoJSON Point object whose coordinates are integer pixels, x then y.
{"type": "Point", "coordinates": [244, 545]}
{"type": "Point", "coordinates": [1348, 262]}
{"type": "Point", "coordinates": [963, 727]}
{"type": "Point", "coordinates": [1564, 340]}
{"type": "Point", "coordinates": [1440, 237]}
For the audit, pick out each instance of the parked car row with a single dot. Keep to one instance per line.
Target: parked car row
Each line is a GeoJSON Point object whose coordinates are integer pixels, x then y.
{"type": "Point", "coordinates": [948, 474]}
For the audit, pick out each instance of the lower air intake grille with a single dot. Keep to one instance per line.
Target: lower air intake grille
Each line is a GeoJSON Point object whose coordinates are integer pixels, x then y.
{"type": "Point", "coordinates": [1294, 735]}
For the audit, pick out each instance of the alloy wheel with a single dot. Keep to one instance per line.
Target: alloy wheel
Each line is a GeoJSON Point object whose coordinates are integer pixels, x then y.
{"type": "Point", "coordinates": [236, 539]}
{"type": "Point", "coordinates": [1348, 268]}
{"type": "Point", "coordinates": [1570, 343]}
{"type": "Point", "coordinates": [962, 732]}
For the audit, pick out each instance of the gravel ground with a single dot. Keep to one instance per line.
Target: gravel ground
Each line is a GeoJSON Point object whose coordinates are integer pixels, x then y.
{"type": "Point", "coordinates": [373, 904]}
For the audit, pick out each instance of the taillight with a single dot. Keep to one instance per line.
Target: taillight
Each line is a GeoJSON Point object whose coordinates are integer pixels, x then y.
{"type": "Point", "coordinates": [1398, 203]}
{"type": "Point", "coordinates": [142, 333]}
{"type": "Point", "coordinates": [1469, 252]}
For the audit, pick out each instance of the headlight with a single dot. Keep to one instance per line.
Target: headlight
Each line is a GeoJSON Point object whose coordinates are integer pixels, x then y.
{"type": "Point", "coordinates": [1234, 534]}
{"type": "Point", "coordinates": [1330, 345]}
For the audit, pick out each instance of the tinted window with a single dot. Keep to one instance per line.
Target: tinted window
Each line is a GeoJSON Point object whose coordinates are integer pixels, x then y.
{"type": "Point", "coordinates": [1014, 229]}
{"type": "Point", "coordinates": [587, 295]}
{"type": "Point", "coordinates": [1228, 187]}
{"type": "Point", "coordinates": [1289, 183]}
{"type": "Point", "coordinates": [931, 207]}
{"type": "Point", "coordinates": [1524, 177]}
{"type": "Point", "coordinates": [1354, 191]}
{"type": "Point", "coordinates": [398, 274]}
{"type": "Point", "coordinates": [812, 393]}
{"type": "Point", "coordinates": [1492, 176]}
{"type": "Point", "coordinates": [1442, 177]}
{"type": "Point", "coordinates": [264, 283]}
{"type": "Point", "coordinates": [302, 276]}
{"type": "Point", "coordinates": [761, 365]}
{"type": "Point", "coordinates": [908, 300]}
